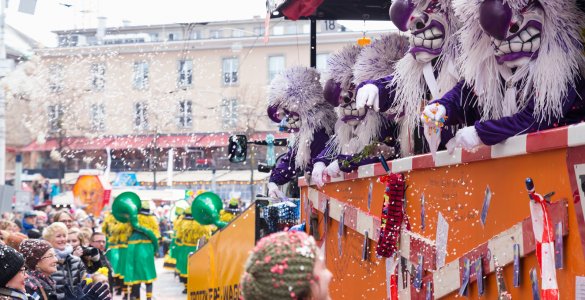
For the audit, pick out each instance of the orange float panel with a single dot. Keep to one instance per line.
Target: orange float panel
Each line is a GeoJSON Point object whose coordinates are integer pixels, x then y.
{"type": "Point", "coordinates": [216, 268]}
{"type": "Point", "coordinates": [457, 192]}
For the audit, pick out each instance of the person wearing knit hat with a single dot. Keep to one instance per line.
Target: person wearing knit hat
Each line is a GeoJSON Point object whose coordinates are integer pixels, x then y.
{"type": "Point", "coordinates": [41, 263]}
{"type": "Point", "coordinates": [286, 265]}
{"type": "Point", "coordinates": [11, 274]}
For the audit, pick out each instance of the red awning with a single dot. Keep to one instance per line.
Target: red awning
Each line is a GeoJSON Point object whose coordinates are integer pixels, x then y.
{"type": "Point", "coordinates": [142, 142]}
{"type": "Point", "coordinates": [176, 141]}
{"type": "Point", "coordinates": [213, 140]}
{"type": "Point", "coordinates": [131, 142]}
{"type": "Point", "coordinates": [90, 143]}
{"type": "Point", "coordinates": [48, 145]}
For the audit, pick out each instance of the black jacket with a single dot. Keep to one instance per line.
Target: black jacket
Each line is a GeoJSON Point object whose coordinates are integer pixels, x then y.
{"type": "Point", "coordinates": [70, 273]}
{"type": "Point", "coordinates": [11, 294]}
{"type": "Point", "coordinates": [36, 283]}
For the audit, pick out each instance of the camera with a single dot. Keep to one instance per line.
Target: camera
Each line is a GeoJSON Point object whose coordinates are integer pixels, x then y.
{"type": "Point", "coordinates": [91, 253]}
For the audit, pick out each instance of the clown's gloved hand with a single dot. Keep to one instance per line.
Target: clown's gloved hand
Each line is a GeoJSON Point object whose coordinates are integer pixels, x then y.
{"type": "Point", "coordinates": [465, 138]}
{"type": "Point", "coordinates": [367, 95]}
{"type": "Point", "coordinates": [433, 117]}
{"type": "Point", "coordinates": [433, 113]}
{"type": "Point", "coordinates": [274, 191]}
{"type": "Point", "coordinates": [318, 173]}
{"type": "Point", "coordinates": [333, 169]}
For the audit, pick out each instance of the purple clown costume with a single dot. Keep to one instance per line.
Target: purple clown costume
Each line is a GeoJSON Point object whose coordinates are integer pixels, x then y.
{"type": "Point", "coordinates": [426, 72]}
{"type": "Point", "coordinates": [360, 134]}
{"type": "Point", "coordinates": [295, 100]}
{"type": "Point", "coordinates": [523, 66]}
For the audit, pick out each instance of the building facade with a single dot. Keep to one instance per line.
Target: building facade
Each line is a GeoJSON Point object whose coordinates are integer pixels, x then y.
{"type": "Point", "coordinates": [142, 90]}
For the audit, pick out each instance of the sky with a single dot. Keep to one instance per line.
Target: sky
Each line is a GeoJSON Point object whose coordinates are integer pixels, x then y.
{"type": "Point", "coordinates": [78, 14]}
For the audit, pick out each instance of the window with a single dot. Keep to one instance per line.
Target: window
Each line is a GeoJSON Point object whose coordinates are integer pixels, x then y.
{"type": "Point", "coordinates": [185, 114]}
{"type": "Point", "coordinates": [322, 62]}
{"type": "Point", "coordinates": [278, 30]}
{"type": "Point", "coordinates": [214, 34]}
{"type": "Point", "coordinates": [98, 117]}
{"type": "Point", "coordinates": [140, 75]}
{"type": "Point", "coordinates": [275, 66]}
{"type": "Point", "coordinates": [98, 76]}
{"type": "Point", "coordinates": [229, 113]}
{"type": "Point", "coordinates": [185, 73]}
{"type": "Point", "coordinates": [140, 116]}
{"type": "Point", "coordinates": [56, 78]}
{"type": "Point", "coordinates": [172, 37]}
{"type": "Point", "coordinates": [153, 36]}
{"type": "Point", "coordinates": [230, 70]}
{"type": "Point", "coordinates": [196, 35]}
{"type": "Point", "coordinates": [238, 32]}
{"type": "Point", "coordinates": [259, 31]}
{"type": "Point", "coordinates": [55, 114]}
{"type": "Point", "coordinates": [307, 28]}
{"type": "Point", "coordinates": [291, 29]}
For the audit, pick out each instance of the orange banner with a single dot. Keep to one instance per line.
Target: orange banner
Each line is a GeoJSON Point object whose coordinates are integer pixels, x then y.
{"type": "Point", "coordinates": [215, 270]}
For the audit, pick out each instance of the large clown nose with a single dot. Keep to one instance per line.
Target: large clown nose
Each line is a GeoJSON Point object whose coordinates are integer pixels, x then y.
{"type": "Point", "coordinates": [400, 12]}
{"type": "Point", "coordinates": [331, 92]}
{"type": "Point", "coordinates": [495, 17]}
{"type": "Point", "coordinates": [272, 112]}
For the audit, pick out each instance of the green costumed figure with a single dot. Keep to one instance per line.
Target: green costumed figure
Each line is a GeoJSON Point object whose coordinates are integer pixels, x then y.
{"type": "Point", "coordinates": [188, 232]}
{"type": "Point", "coordinates": [170, 261]}
{"type": "Point", "coordinates": [117, 234]}
{"type": "Point", "coordinates": [142, 245]}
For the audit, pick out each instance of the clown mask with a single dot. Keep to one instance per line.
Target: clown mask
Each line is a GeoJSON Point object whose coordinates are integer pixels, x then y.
{"type": "Point", "coordinates": [345, 100]}
{"type": "Point", "coordinates": [427, 22]}
{"type": "Point", "coordinates": [516, 34]}
{"type": "Point", "coordinates": [288, 119]}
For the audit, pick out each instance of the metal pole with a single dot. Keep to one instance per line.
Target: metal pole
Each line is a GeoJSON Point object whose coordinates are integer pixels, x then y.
{"type": "Point", "coordinates": [313, 43]}
{"type": "Point", "coordinates": [252, 189]}
{"type": "Point", "coordinates": [154, 160]}
{"type": "Point", "coordinates": [2, 98]}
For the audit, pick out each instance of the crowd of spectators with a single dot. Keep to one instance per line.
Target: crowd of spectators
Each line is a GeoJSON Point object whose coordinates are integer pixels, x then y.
{"type": "Point", "coordinates": [53, 254]}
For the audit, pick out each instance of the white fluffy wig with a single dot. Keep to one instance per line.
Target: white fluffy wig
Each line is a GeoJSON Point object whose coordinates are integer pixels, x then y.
{"type": "Point", "coordinates": [298, 90]}
{"type": "Point", "coordinates": [546, 79]}
{"type": "Point", "coordinates": [410, 85]}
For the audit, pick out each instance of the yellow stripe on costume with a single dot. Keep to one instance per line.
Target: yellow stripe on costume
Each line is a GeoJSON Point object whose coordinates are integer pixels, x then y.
{"type": "Point", "coordinates": [139, 242]}
{"type": "Point", "coordinates": [140, 281]}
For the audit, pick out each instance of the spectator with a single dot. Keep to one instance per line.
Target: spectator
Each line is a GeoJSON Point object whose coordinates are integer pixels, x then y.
{"type": "Point", "coordinates": [12, 274]}
{"type": "Point", "coordinates": [98, 241]}
{"type": "Point", "coordinates": [41, 220]}
{"type": "Point", "coordinates": [86, 234]}
{"type": "Point", "coordinates": [9, 226]}
{"type": "Point", "coordinates": [76, 240]}
{"type": "Point", "coordinates": [34, 234]}
{"type": "Point", "coordinates": [41, 263]}
{"type": "Point", "coordinates": [70, 269]}
{"type": "Point", "coordinates": [29, 221]}
{"type": "Point", "coordinates": [64, 217]}
{"type": "Point", "coordinates": [14, 239]}
{"type": "Point", "coordinates": [291, 259]}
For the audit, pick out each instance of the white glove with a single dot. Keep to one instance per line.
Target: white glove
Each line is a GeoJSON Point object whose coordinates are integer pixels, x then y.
{"type": "Point", "coordinates": [465, 138]}
{"type": "Point", "coordinates": [433, 113]}
{"type": "Point", "coordinates": [367, 95]}
{"type": "Point", "coordinates": [317, 174]}
{"type": "Point", "coordinates": [333, 169]}
{"type": "Point", "coordinates": [274, 191]}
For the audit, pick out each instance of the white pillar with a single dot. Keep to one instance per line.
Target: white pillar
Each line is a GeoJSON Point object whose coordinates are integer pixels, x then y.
{"type": "Point", "coordinates": [170, 167]}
